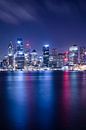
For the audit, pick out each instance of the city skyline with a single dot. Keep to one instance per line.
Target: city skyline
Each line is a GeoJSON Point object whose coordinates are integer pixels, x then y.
{"type": "Point", "coordinates": [38, 49]}
{"type": "Point", "coordinates": [59, 23]}
{"type": "Point", "coordinates": [23, 57]}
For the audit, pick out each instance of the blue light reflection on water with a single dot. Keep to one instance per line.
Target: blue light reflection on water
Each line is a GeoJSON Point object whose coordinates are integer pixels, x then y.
{"type": "Point", "coordinates": [83, 90]}
{"type": "Point", "coordinates": [45, 100]}
{"type": "Point", "coordinates": [42, 100]}
{"type": "Point", "coordinates": [17, 106]}
{"type": "Point", "coordinates": [74, 86]}
{"type": "Point", "coordinates": [18, 92]}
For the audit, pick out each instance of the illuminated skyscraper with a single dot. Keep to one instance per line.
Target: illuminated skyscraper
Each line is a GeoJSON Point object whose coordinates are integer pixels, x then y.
{"type": "Point", "coordinates": [5, 63]}
{"type": "Point", "coordinates": [54, 55]}
{"type": "Point", "coordinates": [53, 59]}
{"type": "Point", "coordinates": [10, 56]}
{"type": "Point", "coordinates": [46, 55]}
{"type": "Point", "coordinates": [27, 55]}
{"type": "Point", "coordinates": [66, 58]}
{"type": "Point", "coordinates": [40, 61]}
{"type": "Point", "coordinates": [34, 58]}
{"type": "Point", "coordinates": [83, 55]}
{"type": "Point", "coordinates": [20, 46]}
{"type": "Point", "coordinates": [10, 49]}
{"type": "Point", "coordinates": [60, 60]}
{"type": "Point", "coordinates": [27, 47]}
{"type": "Point", "coordinates": [19, 56]}
{"type": "Point", "coordinates": [73, 55]}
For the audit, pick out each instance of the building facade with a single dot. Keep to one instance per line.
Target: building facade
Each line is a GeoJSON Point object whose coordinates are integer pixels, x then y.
{"type": "Point", "coordinates": [83, 55]}
{"type": "Point", "coordinates": [19, 55]}
{"type": "Point", "coordinates": [46, 55]}
{"type": "Point", "coordinates": [73, 55]}
{"type": "Point", "coordinates": [10, 56]}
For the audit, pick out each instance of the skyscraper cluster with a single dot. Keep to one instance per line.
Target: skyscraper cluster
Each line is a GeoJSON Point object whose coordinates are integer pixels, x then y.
{"type": "Point", "coordinates": [24, 58]}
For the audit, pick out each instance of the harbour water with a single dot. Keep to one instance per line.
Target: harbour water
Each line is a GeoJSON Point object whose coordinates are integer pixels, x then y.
{"type": "Point", "coordinates": [43, 100]}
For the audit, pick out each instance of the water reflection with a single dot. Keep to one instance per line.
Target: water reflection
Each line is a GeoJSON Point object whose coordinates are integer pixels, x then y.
{"type": "Point", "coordinates": [83, 90]}
{"type": "Point", "coordinates": [66, 100]}
{"type": "Point", "coordinates": [28, 100]}
{"type": "Point", "coordinates": [17, 105]}
{"type": "Point", "coordinates": [45, 100]}
{"type": "Point", "coordinates": [42, 101]}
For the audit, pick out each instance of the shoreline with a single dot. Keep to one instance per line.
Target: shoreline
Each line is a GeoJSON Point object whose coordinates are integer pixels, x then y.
{"type": "Point", "coordinates": [42, 71]}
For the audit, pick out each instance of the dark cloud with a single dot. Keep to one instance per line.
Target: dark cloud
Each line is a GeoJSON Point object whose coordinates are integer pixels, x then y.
{"type": "Point", "coordinates": [16, 11]}
{"type": "Point", "coordinates": [63, 7]}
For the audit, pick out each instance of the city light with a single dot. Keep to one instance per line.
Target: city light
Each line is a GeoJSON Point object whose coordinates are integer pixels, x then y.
{"type": "Point", "coordinates": [46, 45]}
{"type": "Point", "coordinates": [20, 53]}
{"type": "Point", "coordinates": [73, 48]}
{"type": "Point", "coordinates": [66, 59]}
{"type": "Point", "coordinates": [26, 60]}
{"type": "Point", "coordinates": [19, 42]}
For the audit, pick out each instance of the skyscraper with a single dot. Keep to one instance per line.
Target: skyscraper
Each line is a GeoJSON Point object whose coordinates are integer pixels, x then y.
{"type": "Point", "coordinates": [60, 60]}
{"type": "Point", "coordinates": [40, 61]}
{"type": "Point", "coordinates": [66, 59]}
{"type": "Point", "coordinates": [10, 49]}
{"type": "Point", "coordinates": [34, 58]}
{"type": "Point", "coordinates": [83, 55]}
{"type": "Point", "coordinates": [46, 55]}
{"type": "Point", "coordinates": [10, 56]}
{"type": "Point", "coordinates": [27, 55]}
{"type": "Point", "coordinates": [53, 58]}
{"type": "Point", "coordinates": [5, 63]}
{"type": "Point", "coordinates": [19, 56]}
{"type": "Point", "coordinates": [73, 55]}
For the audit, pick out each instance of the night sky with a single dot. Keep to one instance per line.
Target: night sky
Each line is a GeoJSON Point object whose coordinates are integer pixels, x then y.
{"type": "Point", "coordinates": [59, 23]}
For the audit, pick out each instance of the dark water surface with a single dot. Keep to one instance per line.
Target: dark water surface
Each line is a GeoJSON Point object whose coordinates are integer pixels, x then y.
{"type": "Point", "coordinates": [43, 101]}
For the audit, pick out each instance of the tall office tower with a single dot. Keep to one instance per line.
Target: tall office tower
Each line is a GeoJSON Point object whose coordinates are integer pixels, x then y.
{"type": "Point", "coordinates": [27, 55]}
{"type": "Point", "coordinates": [73, 55]}
{"type": "Point", "coordinates": [40, 61]}
{"type": "Point", "coordinates": [51, 65]}
{"type": "Point", "coordinates": [1, 64]}
{"type": "Point", "coordinates": [5, 63]}
{"type": "Point", "coordinates": [27, 47]}
{"type": "Point", "coordinates": [19, 55]}
{"type": "Point", "coordinates": [10, 56]}
{"type": "Point", "coordinates": [54, 55]}
{"type": "Point", "coordinates": [46, 55]}
{"type": "Point", "coordinates": [53, 59]}
{"type": "Point", "coordinates": [83, 55]}
{"type": "Point", "coordinates": [66, 59]}
{"type": "Point", "coordinates": [34, 58]}
{"type": "Point", "coordinates": [60, 60]}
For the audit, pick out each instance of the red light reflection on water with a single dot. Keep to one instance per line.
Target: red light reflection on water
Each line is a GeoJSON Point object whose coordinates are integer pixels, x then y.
{"type": "Point", "coordinates": [66, 100]}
